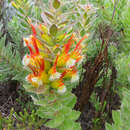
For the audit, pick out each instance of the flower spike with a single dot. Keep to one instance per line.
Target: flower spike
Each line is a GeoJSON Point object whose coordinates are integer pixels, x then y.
{"type": "Point", "coordinates": [45, 70]}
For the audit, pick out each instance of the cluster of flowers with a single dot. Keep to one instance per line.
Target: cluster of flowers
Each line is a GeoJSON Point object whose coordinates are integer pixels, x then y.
{"type": "Point", "coordinates": [52, 69]}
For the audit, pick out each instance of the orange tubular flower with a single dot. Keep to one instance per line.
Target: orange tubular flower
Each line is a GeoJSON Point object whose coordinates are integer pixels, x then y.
{"type": "Point", "coordinates": [69, 59]}
{"type": "Point", "coordinates": [34, 59]}
{"type": "Point", "coordinates": [34, 80]}
{"type": "Point", "coordinates": [54, 74]}
{"type": "Point", "coordinates": [35, 62]}
{"type": "Point", "coordinates": [59, 85]}
{"type": "Point", "coordinates": [70, 73]}
{"type": "Point", "coordinates": [65, 57]}
{"type": "Point", "coordinates": [76, 53]}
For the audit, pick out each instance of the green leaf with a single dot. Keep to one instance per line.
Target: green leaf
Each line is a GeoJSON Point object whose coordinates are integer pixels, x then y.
{"type": "Point", "coordinates": [18, 77]}
{"type": "Point", "coordinates": [43, 112]}
{"type": "Point", "coordinates": [69, 113]}
{"type": "Point", "coordinates": [60, 37]}
{"type": "Point", "coordinates": [49, 15]}
{"type": "Point", "coordinates": [67, 125]}
{"type": "Point", "coordinates": [74, 115]}
{"type": "Point", "coordinates": [82, 33]}
{"type": "Point", "coordinates": [70, 100]}
{"type": "Point", "coordinates": [77, 126]}
{"type": "Point", "coordinates": [56, 4]}
{"type": "Point", "coordinates": [121, 117]}
{"type": "Point", "coordinates": [47, 39]}
{"type": "Point", "coordinates": [55, 122]}
{"type": "Point", "coordinates": [53, 30]}
{"type": "Point", "coordinates": [116, 117]}
{"type": "Point", "coordinates": [109, 127]}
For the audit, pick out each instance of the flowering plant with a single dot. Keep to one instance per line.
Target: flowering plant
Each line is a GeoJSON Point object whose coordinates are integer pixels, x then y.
{"type": "Point", "coordinates": [55, 54]}
{"type": "Point", "coordinates": [51, 67]}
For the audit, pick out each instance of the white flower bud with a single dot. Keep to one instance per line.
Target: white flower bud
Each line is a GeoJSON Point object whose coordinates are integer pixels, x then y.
{"type": "Point", "coordinates": [55, 76]}
{"type": "Point", "coordinates": [62, 89]}
{"type": "Point", "coordinates": [75, 77]}
{"type": "Point", "coordinates": [26, 60]}
{"type": "Point", "coordinates": [26, 78]}
{"type": "Point", "coordinates": [71, 62]}
{"type": "Point", "coordinates": [37, 80]}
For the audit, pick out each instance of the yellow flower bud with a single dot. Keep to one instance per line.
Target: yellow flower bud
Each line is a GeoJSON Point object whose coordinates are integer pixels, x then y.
{"type": "Point", "coordinates": [14, 5]}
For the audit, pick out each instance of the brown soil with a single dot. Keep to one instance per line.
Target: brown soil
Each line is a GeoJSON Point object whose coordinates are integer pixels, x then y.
{"type": "Point", "coordinates": [8, 95]}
